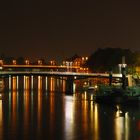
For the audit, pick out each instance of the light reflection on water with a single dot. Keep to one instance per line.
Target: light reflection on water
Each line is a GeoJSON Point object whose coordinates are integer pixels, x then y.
{"type": "Point", "coordinates": [39, 114]}
{"type": "Point", "coordinates": [1, 119]}
{"type": "Point", "coordinates": [122, 122]}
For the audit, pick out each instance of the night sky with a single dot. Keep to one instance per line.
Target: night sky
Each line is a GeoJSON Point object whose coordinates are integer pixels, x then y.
{"type": "Point", "coordinates": [57, 29]}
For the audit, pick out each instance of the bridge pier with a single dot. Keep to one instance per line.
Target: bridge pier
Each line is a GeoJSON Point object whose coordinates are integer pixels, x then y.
{"type": "Point", "coordinates": [70, 85]}
{"type": "Point", "coordinates": [123, 78]}
{"type": "Point", "coordinates": [46, 83]}
{"type": "Point", "coordinates": [26, 82]}
{"type": "Point", "coordinates": [110, 78]}
{"type": "Point", "coordinates": [32, 82]}
{"type": "Point", "coordinates": [10, 82]}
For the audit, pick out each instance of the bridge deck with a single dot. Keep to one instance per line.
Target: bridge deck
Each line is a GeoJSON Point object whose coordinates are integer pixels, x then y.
{"type": "Point", "coordinates": [38, 66]}
{"type": "Point", "coordinates": [56, 73]}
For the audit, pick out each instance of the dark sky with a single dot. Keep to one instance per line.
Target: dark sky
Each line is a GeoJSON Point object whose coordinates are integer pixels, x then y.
{"type": "Point", "coordinates": [57, 29]}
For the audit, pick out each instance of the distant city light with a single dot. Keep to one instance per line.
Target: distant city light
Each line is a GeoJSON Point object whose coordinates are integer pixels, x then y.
{"type": "Point", "coordinates": [27, 62]}
{"type": "Point", "coordinates": [14, 62]}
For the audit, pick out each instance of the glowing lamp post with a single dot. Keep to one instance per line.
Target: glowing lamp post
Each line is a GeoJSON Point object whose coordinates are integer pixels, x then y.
{"type": "Point", "coordinates": [122, 70]}
{"type": "Point", "coordinates": [14, 62]}
{"type": "Point", "coordinates": [39, 62]}
{"type": "Point", "coordinates": [27, 62]}
{"type": "Point", "coordinates": [1, 62]}
{"type": "Point", "coordinates": [122, 66]}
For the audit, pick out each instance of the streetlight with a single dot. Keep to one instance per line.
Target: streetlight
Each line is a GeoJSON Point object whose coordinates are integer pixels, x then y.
{"type": "Point", "coordinates": [14, 62]}
{"type": "Point", "coordinates": [27, 62]}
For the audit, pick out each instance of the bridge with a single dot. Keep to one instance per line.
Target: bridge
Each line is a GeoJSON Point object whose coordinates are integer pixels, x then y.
{"type": "Point", "coordinates": [70, 77]}
{"type": "Point", "coordinates": [40, 67]}
{"type": "Point", "coordinates": [70, 74]}
{"type": "Point", "coordinates": [56, 73]}
{"type": "Point", "coordinates": [51, 70]}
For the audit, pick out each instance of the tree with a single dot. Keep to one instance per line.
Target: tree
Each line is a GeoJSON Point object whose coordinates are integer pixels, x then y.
{"type": "Point", "coordinates": [103, 60]}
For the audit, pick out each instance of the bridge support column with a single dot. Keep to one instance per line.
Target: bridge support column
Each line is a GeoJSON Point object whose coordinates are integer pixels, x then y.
{"type": "Point", "coordinates": [46, 83]}
{"type": "Point", "coordinates": [123, 78]}
{"type": "Point", "coordinates": [32, 82]}
{"type": "Point", "coordinates": [39, 82]}
{"type": "Point", "coordinates": [70, 85]}
{"type": "Point", "coordinates": [10, 82]}
{"type": "Point", "coordinates": [17, 84]}
{"type": "Point", "coordinates": [110, 78]}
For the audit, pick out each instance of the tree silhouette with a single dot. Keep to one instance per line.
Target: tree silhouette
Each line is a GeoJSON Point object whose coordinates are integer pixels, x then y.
{"type": "Point", "coordinates": [103, 60]}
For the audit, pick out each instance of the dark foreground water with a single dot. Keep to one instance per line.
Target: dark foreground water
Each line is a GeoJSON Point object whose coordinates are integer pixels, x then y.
{"type": "Point", "coordinates": [42, 115]}
{"type": "Point", "coordinates": [29, 112]}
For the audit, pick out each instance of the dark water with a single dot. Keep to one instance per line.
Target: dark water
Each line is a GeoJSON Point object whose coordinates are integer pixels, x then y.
{"type": "Point", "coordinates": [38, 114]}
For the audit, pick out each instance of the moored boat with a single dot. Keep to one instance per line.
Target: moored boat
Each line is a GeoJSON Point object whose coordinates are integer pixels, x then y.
{"type": "Point", "coordinates": [117, 95]}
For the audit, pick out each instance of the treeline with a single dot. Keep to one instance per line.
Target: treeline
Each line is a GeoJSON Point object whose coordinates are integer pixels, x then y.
{"type": "Point", "coordinates": [103, 60]}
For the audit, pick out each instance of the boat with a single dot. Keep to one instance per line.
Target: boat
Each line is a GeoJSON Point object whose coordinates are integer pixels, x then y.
{"type": "Point", "coordinates": [128, 92]}
{"type": "Point", "coordinates": [89, 87]}
{"type": "Point", "coordinates": [92, 88]}
{"type": "Point", "coordinates": [117, 95]}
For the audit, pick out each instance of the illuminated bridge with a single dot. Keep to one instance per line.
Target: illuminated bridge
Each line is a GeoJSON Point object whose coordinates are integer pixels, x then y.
{"type": "Point", "coordinates": [69, 74]}
{"type": "Point", "coordinates": [40, 67]}
{"type": "Point", "coordinates": [56, 73]}
{"type": "Point", "coordinates": [50, 70]}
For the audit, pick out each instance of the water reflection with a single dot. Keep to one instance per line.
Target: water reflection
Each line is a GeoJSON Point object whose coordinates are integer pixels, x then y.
{"type": "Point", "coordinates": [26, 83]}
{"type": "Point", "coordinates": [14, 83]}
{"type": "Point", "coordinates": [26, 108]}
{"type": "Point", "coordinates": [40, 114]}
{"type": "Point", "coordinates": [1, 120]}
{"type": "Point", "coordinates": [46, 83]}
{"type": "Point", "coordinates": [39, 108]}
{"type": "Point", "coordinates": [13, 111]}
{"type": "Point", "coordinates": [81, 115]}
{"type": "Point", "coordinates": [122, 125]}
{"type": "Point", "coordinates": [35, 82]}
{"type": "Point", "coordinates": [39, 82]}
{"type": "Point", "coordinates": [32, 82]}
{"type": "Point", "coordinates": [52, 84]}
{"type": "Point", "coordinates": [63, 83]}
{"type": "Point", "coordinates": [96, 122]}
{"type": "Point", "coordinates": [69, 118]}
{"type": "Point", "coordinates": [10, 84]}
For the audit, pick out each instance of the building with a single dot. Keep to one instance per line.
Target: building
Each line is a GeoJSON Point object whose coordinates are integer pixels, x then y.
{"type": "Point", "coordinates": [76, 61]}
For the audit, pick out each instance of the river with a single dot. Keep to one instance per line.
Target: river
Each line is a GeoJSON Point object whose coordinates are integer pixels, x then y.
{"type": "Point", "coordinates": [41, 112]}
